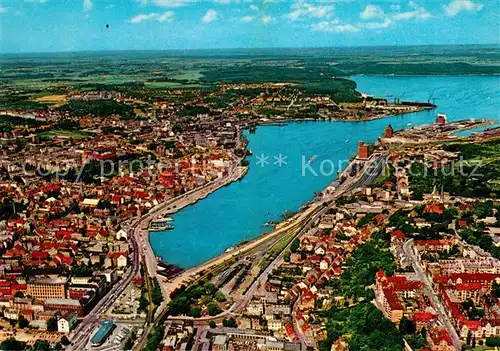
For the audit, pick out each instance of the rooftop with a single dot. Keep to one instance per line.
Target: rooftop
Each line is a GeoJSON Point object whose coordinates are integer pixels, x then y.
{"type": "Point", "coordinates": [103, 332]}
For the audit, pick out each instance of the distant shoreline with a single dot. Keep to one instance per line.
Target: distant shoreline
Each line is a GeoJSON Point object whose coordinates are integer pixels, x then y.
{"type": "Point", "coordinates": [269, 48]}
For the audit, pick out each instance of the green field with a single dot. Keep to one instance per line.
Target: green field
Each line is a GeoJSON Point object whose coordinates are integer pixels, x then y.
{"type": "Point", "coordinates": [24, 76]}
{"type": "Point", "coordinates": [65, 133]}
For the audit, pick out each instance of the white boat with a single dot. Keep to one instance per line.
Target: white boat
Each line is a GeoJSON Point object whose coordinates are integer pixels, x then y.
{"type": "Point", "coordinates": [164, 219]}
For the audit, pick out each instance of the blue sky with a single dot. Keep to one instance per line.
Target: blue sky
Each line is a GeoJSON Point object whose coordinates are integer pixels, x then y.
{"type": "Point", "coordinates": [75, 25]}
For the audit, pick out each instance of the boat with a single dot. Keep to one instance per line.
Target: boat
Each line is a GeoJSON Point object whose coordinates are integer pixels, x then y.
{"type": "Point", "coordinates": [346, 141]}
{"type": "Point", "coordinates": [164, 219]}
{"type": "Point", "coordinates": [161, 224]}
{"type": "Point", "coordinates": [311, 159]}
{"type": "Point", "coordinates": [229, 249]}
{"type": "Point", "coordinates": [270, 223]}
{"type": "Point", "coordinates": [160, 228]}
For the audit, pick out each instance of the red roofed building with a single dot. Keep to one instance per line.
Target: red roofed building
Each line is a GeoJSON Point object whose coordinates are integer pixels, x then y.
{"type": "Point", "coordinates": [433, 245]}
{"type": "Point", "coordinates": [39, 255]}
{"type": "Point", "coordinates": [422, 319]}
{"type": "Point", "coordinates": [307, 300]}
{"type": "Point", "coordinates": [392, 308]}
{"type": "Point", "coordinates": [398, 234]}
{"type": "Point", "coordinates": [290, 332]}
{"type": "Point", "coordinates": [434, 208]}
{"type": "Point", "coordinates": [441, 340]}
{"type": "Point", "coordinates": [391, 292]}
{"type": "Point", "coordinates": [363, 151]}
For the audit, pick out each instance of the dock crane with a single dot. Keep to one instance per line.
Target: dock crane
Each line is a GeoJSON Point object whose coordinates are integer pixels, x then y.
{"type": "Point", "coordinates": [431, 97]}
{"type": "Point", "coordinates": [397, 99]}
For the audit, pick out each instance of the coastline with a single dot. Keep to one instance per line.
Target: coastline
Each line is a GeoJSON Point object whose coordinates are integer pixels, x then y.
{"type": "Point", "coordinates": [195, 195]}
{"type": "Point", "coordinates": [479, 125]}
{"type": "Point", "coordinates": [185, 200]}
{"type": "Point", "coordinates": [278, 122]}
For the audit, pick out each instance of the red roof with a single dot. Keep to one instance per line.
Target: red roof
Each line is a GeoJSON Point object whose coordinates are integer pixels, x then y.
{"type": "Point", "coordinates": [392, 299]}
{"type": "Point", "coordinates": [5, 291]}
{"type": "Point", "coordinates": [423, 317]}
{"type": "Point", "coordinates": [433, 208]}
{"type": "Point", "coordinates": [440, 336]}
{"type": "Point", "coordinates": [468, 286]}
{"type": "Point", "coordinates": [405, 286]}
{"type": "Point", "coordinates": [473, 325]}
{"type": "Point", "coordinates": [441, 242]}
{"type": "Point", "coordinates": [119, 254]}
{"type": "Point", "coordinates": [289, 331]}
{"type": "Point", "coordinates": [398, 234]}
{"type": "Point", "coordinates": [39, 255]}
{"type": "Point", "coordinates": [474, 277]}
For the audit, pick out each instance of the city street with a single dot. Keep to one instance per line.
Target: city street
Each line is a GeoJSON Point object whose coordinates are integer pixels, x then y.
{"type": "Point", "coordinates": [436, 301]}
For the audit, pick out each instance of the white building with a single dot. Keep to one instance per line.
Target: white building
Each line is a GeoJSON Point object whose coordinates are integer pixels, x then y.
{"type": "Point", "coordinates": [67, 322]}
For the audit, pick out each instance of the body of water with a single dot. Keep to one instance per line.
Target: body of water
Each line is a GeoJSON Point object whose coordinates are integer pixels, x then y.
{"type": "Point", "coordinates": [239, 211]}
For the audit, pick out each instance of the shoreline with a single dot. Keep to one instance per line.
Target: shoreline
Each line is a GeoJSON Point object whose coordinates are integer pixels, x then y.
{"type": "Point", "coordinates": [486, 123]}
{"type": "Point", "coordinates": [425, 75]}
{"type": "Point", "coordinates": [198, 194]}
{"type": "Point", "coordinates": [275, 122]}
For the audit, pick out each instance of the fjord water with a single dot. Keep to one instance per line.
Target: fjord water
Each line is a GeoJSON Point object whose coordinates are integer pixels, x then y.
{"type": "Point", "coordinates": [239, 211]}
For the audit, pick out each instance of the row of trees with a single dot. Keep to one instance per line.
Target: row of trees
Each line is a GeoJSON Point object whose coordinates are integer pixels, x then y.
{"type": "Point", "coordinates": [12, 344]}
{"type": "Point", "coordinates": [362, 267]}
{"type": "Point", "coordinates": [189, 301]}
{"type": "Point", "coordinates": [99, 108]}
{"type": "Point", "coordinates": [368, 328]}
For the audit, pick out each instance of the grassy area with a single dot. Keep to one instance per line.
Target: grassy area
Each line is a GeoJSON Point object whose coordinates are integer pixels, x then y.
{"type": "Point", "coordinates": [51, 99]}
{"type": "Point", "coordinates": [275, 250]}
{"type": "Point", "coordinates": [476, 175]}
{"type": "Point", "coordinates": [75, 134]}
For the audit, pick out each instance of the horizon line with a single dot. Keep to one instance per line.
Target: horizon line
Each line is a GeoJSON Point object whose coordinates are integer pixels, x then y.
{"type": "Point", "coordinates": [248, 48]}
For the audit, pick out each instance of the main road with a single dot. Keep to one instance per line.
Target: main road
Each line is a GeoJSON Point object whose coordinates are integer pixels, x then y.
{"type": "Point", "coordinates": [436, 301]}
{"type": "Point", "coordinates": [296, 224]}
{"type": "Point", "coordinates": [80, 335]}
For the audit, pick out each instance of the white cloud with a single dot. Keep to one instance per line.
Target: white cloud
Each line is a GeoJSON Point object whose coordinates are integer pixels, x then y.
{"type": "Point", "coordinates": [88, 5]}
{"type": "Point", "coordinates": [333, 27]}
{"type": "Point", "coordinates": [153, 16]}
{"type": "Point", "coordinates": [222, 2]}
{"type": "Point", "coordinates": [170, 3]}
{"type": "Point", "coordinates": [3, 9]}
{"type": "Point", "coordinates": [166, 17]}
{"type": "Point", "coordinates": [396, 7]}
{"type": "Point", "coordinates": [457, 6]}
{"type": "Point", "coordinates": [210, 16]}
{"type": "Point", "coordinates": [302, 9]}
{"type": "Point", "coordinates": [418, 12]}
{"type": "Point", "coordinates": [380, 20]}
{"type": "Point", "coordinates": [39, 1]}
{"type": "Point", "coordinates": [377, 25]}
{"type": "Point", "coordinates": [143, 17]}
{"type": "Point", "coordinates": [247, 19]}
{"type": "Point", "coordinates": [253, 8]}
{"type": "Point", "coordinates": [267, 19]}
{"type": "Point", "coordinates": [372, 11]}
